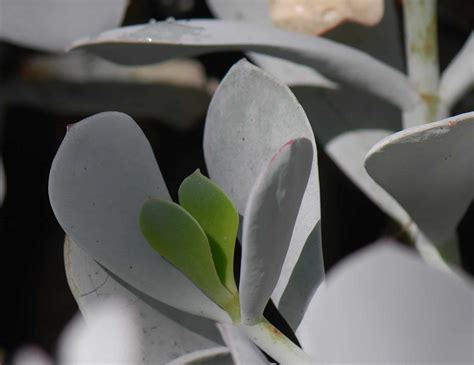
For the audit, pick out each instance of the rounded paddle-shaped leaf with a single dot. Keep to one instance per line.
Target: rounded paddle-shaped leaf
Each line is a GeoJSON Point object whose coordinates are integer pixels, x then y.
{"type": "Point", "coordinates": [54, 24]}
{"type": "Point", "coordinates": [166, 332]}
{"type": "Point", "coordinates": [179, 238]}
{"type": "Point", "coordinates": [384, 305]}
{"type": "Point", "coordinates": [250, 117]}
{"type": "Point", "coordinates": [217, 216]}
{"type": "Point", "coordinates": [429, 170]}
{"type": "Point", "coordinates": [101, 175]}
{"type": "Point", "coordinates": [159, 41]}
{"type": "Point", "coordinates": [270, 217]}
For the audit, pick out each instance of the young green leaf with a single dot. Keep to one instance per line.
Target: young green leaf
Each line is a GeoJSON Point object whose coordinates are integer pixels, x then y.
{"type": "Point", "coordinates": [216, 214]}
{"type": "Point", "coordinates": [179, 238]}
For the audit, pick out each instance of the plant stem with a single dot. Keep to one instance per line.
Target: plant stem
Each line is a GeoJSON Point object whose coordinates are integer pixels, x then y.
{"type": "Point", "coordinates": [421, 47]}
{"type": "Point", "coordinates": [233, 308]}
{"type": "Point", "coordinates": [275, 343]}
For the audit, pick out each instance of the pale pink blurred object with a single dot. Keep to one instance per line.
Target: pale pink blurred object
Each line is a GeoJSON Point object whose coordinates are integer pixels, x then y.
{"type": "Point", "coordinates": [319, 16]}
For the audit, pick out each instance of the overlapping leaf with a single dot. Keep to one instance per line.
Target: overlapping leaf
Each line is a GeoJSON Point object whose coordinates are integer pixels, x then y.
{"type": "Point", "coordinates": [217, 216]}
{"type": "Point", "coordinates": [53, 25]}
{"type": "Point", "coordinates": [270, 215]}
{"type": "Point", "coordinates": [155, 42]}
{"type": "Point", "coordinates": [178, 237]}
{"type": "Point", "coordinates": [166, 333]}
{"type": "Point", "coordinates": [250, 117]}
{"type": "Point", "coordinates": [101, 175]}
{"type": "Point", "coordinates": [429, 170]}
{"type": "Point", "coordinates": [385, 305]}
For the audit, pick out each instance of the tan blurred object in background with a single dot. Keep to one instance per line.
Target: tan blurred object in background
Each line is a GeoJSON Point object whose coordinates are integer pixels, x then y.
{"type": "Point", "coordinates": [319, 16]}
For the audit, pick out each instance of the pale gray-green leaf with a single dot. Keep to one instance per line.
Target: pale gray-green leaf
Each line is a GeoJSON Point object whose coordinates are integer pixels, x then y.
{"type": "Point", "coordinates": [270, 215]}
{"type": "Point", "coordinates": [53, 25]}
{"type": "Point", "coordinates": [159, 41]}
{"type": "Point", "coordinates": [429, 170]}
{"type": "Point", "coordinates": [250, 117]}
{"type": "Point", "coordinates": [101, 175]}
{"type": "Point", "coordinates": [385, 305]}
{"type": "Point", "coordinates": [166, 333]}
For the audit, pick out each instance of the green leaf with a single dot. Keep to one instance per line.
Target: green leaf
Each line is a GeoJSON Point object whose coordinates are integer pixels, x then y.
{"type": "Point", "coordinates": [216, 214]}
{"type": "Point", "coordinates": [179, 238]}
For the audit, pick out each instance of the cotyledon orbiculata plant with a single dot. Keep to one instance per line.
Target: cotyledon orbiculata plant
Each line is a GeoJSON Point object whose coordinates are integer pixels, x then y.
{"type": "Point", "coordinates": [105, 171]}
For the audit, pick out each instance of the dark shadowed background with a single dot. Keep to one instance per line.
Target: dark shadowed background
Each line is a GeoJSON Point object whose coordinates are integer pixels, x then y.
{"type": "Point", "coordinates": [35, 299]}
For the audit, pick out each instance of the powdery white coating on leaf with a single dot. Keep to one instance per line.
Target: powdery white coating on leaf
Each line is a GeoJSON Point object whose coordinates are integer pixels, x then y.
{"type": "Point", "coordinates": [243, 350]}
{"type": "Point", "coordinates": [385, 305]}
{"type": "Point", "coordinates": [166, 333]}
{"type": "Point", "coordinates": [111, 335]}
{"type": "Point", "coordinates": [250, 117]}
{"type": "Point", "coordinates": [159, 41]}
{"type": "Point", "coordinates": [429, 171]}
{"type": "Point", "coordinates": [101, 175]}
{"type": "Point", "coordinates": [317, 17]}
{"type": "Point", "coordinates": [53, 25]}
{"type": "Point", "coordinates": [270, 215]}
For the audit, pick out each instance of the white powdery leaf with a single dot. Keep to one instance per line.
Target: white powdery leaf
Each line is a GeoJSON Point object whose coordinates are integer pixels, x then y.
{"type": "Point", "coordinates": [155, 42]}
{"type": "Point", "coordinates": [429, 170]}
{"type": "Point", "coordinates": [250, 117]}
{"type": "Point", "coordinates": [243, 350]}
{"type": "Point", "coordinates": [101, 175]}
{"type": "Point", "coordinates": [385, 305]}
{"type": "Point", "coordinates": [53, 25]}
{"type": "Point", "coordinates": [166, 333]}
{"type": "Point", "coordinates": [270, 216]}
{"type": "Point", "coordinates": [111, 335]}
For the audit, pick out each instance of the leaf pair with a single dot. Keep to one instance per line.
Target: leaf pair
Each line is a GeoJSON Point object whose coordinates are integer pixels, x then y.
{"type": "Point", "coordinates": [197, 237]}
